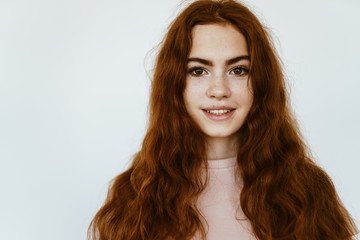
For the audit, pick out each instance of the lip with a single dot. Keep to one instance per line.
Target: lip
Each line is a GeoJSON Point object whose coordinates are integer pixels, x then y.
{"type": "Point", "coordinates": [221, 117]}
{"type": "Point", "coordinates": [219, 108]}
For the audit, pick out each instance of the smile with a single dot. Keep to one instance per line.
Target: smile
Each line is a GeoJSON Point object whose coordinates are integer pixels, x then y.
{"type": "Point", "coordinates": [218, 113]}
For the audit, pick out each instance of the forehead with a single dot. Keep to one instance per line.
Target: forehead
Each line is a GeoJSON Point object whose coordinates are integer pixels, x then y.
{"type": "Point", "coordinates": [216, 41]}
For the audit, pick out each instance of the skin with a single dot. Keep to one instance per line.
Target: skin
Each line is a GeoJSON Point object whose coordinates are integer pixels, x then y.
{"type": "Point", "coordinates": [217, 82]}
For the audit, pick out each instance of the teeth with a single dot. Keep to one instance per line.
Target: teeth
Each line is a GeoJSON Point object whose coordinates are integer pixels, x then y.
{"type": "Point", "coordinates": [218, 112]}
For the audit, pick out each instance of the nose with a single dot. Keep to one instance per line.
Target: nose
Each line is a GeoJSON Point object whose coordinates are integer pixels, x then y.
{"type": "Point", "coordinates": [218, 88]}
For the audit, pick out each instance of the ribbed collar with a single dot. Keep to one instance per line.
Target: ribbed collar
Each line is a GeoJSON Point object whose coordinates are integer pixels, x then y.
{"type": "Point", "coordinates": [222, 163]}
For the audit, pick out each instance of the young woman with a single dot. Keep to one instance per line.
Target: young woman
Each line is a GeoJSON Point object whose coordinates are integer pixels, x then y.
{"type": "Point", "coordinates": [222, 157]}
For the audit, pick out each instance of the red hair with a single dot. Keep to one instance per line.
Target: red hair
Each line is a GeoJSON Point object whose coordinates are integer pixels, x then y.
{"type": "Point", "coordinates": [285, 194]}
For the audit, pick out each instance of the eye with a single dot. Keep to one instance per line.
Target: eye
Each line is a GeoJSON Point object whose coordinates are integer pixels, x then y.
{"type": "Point", "coordinates": [197, 71]}
{"type": "Point", "coordinates": [240, 71]}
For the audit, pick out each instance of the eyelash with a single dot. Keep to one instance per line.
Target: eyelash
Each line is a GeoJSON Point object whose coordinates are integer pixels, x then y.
{"type": "Point", "coordinates": [242, 68]}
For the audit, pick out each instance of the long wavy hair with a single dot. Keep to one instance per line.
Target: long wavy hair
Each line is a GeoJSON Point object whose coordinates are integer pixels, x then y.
{"type": "Point", "coordinates": [285, 194]}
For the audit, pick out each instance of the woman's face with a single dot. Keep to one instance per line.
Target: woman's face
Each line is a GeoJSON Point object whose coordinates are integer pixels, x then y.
{"type": "Point", "coordinates": [218, 94]}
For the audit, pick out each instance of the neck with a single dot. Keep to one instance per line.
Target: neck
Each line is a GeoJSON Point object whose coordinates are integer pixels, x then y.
{"type": "Point", "coordinates": [222, 147]}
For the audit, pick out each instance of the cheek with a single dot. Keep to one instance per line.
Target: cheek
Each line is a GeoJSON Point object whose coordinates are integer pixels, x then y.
{"type": "Point", "coordinates": [250, 93]}
{"type": "Point", "coordinates": [191, 95]}
{"type": "Point", "coordinates": [188, 99]}
{"type": "Point", "coordinates": [244, 101]}
{"type": "Point", "coordinates": [243, 92]}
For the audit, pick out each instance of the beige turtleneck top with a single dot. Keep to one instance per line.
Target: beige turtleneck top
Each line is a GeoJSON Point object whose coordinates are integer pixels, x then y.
{"type": "Point", "coordinates": [220, 204]}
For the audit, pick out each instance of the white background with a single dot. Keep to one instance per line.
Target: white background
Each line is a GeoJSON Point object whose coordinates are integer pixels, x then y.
{"type": "Point", "coordinates": [74, 92]}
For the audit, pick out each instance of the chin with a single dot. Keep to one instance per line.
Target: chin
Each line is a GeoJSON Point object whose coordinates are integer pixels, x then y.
{"type": "Point", "coordinates": [219, 134]}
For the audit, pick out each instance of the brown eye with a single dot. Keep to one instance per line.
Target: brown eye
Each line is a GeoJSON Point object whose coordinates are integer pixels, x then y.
{"type": "Point", "coordinates": [197, 71]}
{"type": "Point", "coordinates": [240, 71]}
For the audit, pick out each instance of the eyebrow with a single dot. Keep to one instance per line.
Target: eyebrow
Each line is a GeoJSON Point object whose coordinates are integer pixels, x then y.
{"type": "Point", "coordinates": [210, 63]}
